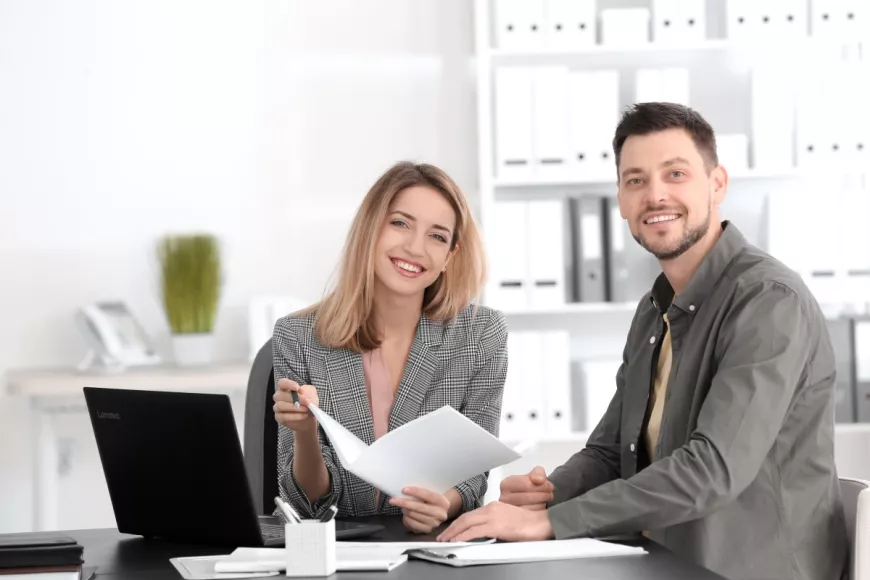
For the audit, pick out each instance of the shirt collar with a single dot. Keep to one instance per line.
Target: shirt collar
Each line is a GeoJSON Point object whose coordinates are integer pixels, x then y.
{"type": "Point", "coordinates": [730, 243]}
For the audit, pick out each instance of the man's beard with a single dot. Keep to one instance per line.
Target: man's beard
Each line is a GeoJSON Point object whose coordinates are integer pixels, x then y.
{"type": "Point", "coordinates": [689, 239]}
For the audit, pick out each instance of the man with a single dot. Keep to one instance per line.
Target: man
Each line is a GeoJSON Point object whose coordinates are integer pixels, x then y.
{"type": "Point", "coordinates": [719, 440]}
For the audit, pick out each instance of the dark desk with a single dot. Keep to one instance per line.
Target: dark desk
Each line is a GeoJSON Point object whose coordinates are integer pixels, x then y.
{"type": "Point", "coordinates": [118, 556]}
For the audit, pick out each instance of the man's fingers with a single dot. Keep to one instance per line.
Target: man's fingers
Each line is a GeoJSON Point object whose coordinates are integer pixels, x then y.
{"type": "Point", "coordinates": [527, 498]}
{"type": "Point", "coordinates": [463, 523]}
{"type": "Point", "coordinates": [473, 533]}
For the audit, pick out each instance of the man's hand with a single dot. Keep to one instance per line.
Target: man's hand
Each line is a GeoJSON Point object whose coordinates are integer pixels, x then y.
{"type": "Point", "coordinates": [502, 522]}
{"type": "Point", "coordinates": [424, 510]}
{"type": "Point", "coordinates": [531, 491]}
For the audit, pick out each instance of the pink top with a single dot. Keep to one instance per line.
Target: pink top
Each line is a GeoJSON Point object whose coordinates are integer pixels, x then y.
{"type": "Point", "coordinates": [379, 388]}
{"type": "Point", "coordinates": [380, 392]}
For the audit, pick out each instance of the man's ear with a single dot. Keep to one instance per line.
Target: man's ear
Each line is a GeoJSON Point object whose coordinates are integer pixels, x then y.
{"type": "Point", "coordinates": [719, 184]}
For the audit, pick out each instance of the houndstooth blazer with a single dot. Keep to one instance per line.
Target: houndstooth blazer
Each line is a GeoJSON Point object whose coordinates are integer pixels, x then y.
{"type": "Point", "coordinates": [461, 363]}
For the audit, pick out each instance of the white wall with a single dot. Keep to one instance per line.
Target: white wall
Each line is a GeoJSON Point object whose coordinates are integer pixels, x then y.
{"type": "Point", "coordinates": [263, 121]}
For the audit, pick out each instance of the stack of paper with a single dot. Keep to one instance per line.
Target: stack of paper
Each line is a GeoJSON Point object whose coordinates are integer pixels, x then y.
{"type": "Point", "coordinates": [259, 562]}
{"type": "Point", "coordinates": [422, 453]}
{"type": "Point", "coordinates": [512, 552]}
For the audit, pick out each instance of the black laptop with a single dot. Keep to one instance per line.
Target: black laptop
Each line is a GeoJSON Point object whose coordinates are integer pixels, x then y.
{"type": "Point", "coordinates": [175, 469]}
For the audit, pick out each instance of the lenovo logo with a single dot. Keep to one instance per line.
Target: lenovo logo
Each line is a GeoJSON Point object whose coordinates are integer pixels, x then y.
{"type": "Point", "coordinates": [114, 416]}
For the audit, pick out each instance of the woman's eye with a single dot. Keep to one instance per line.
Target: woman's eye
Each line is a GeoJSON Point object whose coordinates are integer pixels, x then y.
{"type": "Point", "coordinates": [399, 223]}
{"type": "Point", "coordinates": [440, 238]}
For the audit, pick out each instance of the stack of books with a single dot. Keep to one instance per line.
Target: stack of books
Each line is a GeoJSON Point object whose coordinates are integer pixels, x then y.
{"type": "Point", "coordinates": [42, 556]}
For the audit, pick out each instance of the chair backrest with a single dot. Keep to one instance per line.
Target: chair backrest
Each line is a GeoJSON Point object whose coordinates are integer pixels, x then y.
{"type": "Point", "coordinates": [261, 431]}
{"type": "Point", "coordinates": [856, 504]}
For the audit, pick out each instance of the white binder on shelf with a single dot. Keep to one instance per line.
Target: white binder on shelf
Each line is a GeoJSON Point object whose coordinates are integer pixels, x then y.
{"type": "Point", "coordinates": [625, 26]}
{"type": "Point", "coordinates": [550, 130]}
{"type": "Point", "coordinates": [667, 22]}
{"type": "Point", "coordinates": [790, 20]}
{"type": "Point", "coordinates": [512, 425]}
{"type": "Point", "coordinates": [826, 19]}
{"type": "Point", "coordinates": [546, 281]}
{"type": "Point", "coordinates": [581, 123]}
{"type": "Point", "coordinates": [733, 152]}
{"type": "Point", "coordinates": [675, 85]}
{"type": "Point", "coordinates": [742, 20]}
{"type": "Point", "coordinates": [532, 404]}
{"type": "Point", "coordinates": [772, 118]}
{"type": "Point", "coordinates": [513, 122]}
{"type": "Point", "coordinates": [519, 23]}
{"type": "Point", "coordinates": [599, 386]}
{"type": "Point", "coordinates": [649, 85]}
{"type": "Point", "coordinates": [507, 239]}
{"type": "Point", "coordinates": [570, 23]}
{"type": "Point", "coordinates": [556, 375]}
{"type": "Point", "coordinates": [604, 101]}
{"type": "Point", "coordinates": [631, 270]}
{"type": "Point", "coordinates": [693, 20]}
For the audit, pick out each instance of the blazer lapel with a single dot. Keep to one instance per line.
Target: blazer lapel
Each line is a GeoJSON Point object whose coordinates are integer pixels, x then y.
{"type": "Point", "coordinates": [419, 372]}
{"type": "Point", "coordinates": [347, 391]}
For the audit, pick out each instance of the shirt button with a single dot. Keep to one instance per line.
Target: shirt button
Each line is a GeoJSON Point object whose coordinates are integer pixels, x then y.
{"type": "Point", "coordinates": [652, 340]}
{"type": "Point", "coordinates": [631, 447]}
{"type": "Point", "coordinates": [691, 307]}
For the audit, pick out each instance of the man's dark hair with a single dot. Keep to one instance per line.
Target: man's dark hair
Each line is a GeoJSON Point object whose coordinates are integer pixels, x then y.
{"type": "Point", "coordinates": [646, 118]}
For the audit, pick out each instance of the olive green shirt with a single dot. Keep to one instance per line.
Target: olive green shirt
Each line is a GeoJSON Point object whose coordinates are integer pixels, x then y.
{"type": "Point", "coordinates": [743, 480]}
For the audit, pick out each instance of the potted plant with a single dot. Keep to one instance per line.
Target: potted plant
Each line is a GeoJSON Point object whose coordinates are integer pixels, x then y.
{"type": "Point", "coordinates": [190, 267]}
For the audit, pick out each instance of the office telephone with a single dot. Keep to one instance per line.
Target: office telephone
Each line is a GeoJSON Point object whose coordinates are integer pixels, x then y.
{"type": "Point", "coordinates": [115, 337]}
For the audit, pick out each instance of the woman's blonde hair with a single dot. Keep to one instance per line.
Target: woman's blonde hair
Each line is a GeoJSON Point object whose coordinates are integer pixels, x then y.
{"type": "Point", "coordinates": [344, 318]}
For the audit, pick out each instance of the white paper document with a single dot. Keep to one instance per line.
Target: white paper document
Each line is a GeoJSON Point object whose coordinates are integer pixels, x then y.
{"type": "Point", "coordinates": [513, 552]}
{"type": "Point", "coordinates": [348, 557]}
{"type": "Point", "coordinates": [436, 451]}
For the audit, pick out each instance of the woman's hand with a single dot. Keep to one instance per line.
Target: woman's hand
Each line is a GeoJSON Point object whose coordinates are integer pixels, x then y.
{"type": "Point", "coordinates": [299, 419]}
{"type": "Point", "coordinates": [424, 510]}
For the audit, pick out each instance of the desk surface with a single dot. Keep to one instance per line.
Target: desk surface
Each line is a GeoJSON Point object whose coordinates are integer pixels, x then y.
{"type": "Point", "coordinates": [119, 556]}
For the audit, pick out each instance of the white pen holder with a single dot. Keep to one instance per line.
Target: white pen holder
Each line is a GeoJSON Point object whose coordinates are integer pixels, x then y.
{"type": "Point", "coordinates": [310, 548]}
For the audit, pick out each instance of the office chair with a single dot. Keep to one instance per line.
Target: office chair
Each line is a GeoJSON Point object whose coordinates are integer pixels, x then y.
{"type": "Point", "coordinates": [856, 503]}
{"type": "Point", "coordinates": [261, 431]}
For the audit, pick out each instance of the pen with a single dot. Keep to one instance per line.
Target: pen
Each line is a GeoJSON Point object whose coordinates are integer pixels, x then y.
{"type": "Point", "coordinates": [289, 513]}
{"type": "Point", "coordinates": [295, 396]}
{"type": "Point", "coordinates": [330, 513]}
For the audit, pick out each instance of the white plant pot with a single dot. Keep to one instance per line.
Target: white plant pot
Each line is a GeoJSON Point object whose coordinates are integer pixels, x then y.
{"type": "Point", "coordinates": [193, 350]}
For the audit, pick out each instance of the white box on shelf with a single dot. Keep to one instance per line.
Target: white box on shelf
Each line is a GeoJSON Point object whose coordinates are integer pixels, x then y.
{"type": "Point", "coordinates": [519, 23]}
{"type": "Point", "coordinates": [625, 26]}
{"type": "Point", "coordinates": [649, 85]}
{"type": "Point", "coordinates": [675, 85]}
{"type": "Point", "coordinates": [570, 23]}
{"type": "Point", "coordinates": [733, 152]}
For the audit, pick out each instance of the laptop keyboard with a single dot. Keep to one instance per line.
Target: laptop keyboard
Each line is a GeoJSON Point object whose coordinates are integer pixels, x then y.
{"type": "Point", "coordinates": [271, 531]}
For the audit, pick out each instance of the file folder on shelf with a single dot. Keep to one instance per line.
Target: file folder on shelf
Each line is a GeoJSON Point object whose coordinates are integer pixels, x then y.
{"type": "Point", "coordinates": [513, 122]}
{"type": "Point", "coordinates": [631, 270]}
{"type": "Point", "coordinates": [588, 256]}
{"type": "Point", "coordinates": [547, 255]}
{"type": "Point", "coordinates": [556, 382]}
{"type": "Point", "coordinates": [550, 131]}
{"type": "Point", "coordinates": [506, 232]}
{"type": "Point", "coordinates": [519, 23]}
{"type": "Point", "coordinates": [570, 23]}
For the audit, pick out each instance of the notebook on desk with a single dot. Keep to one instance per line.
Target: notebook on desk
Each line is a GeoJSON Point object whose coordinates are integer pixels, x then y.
{"type": "Point", "coordinates": [517, 552]}
{"type": "Point", "coordinates": [175, 470]}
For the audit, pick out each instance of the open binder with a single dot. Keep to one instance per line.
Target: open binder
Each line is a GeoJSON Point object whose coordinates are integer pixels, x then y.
{"type": "Point", "coordinates": [516, 552]}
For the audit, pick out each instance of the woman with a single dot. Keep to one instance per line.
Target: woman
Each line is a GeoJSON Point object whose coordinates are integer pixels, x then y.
{"type": "Point", "coordinates": [398, 338]}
